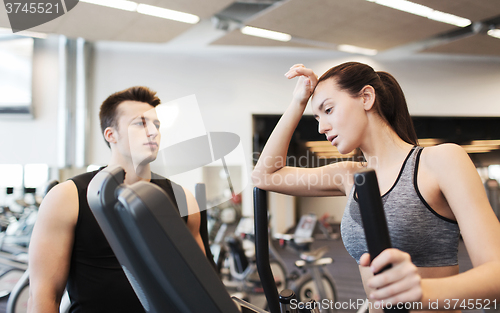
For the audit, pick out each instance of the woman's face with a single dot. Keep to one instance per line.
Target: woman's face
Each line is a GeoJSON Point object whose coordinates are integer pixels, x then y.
{"type": "Point", "coordinates": [341, 117]}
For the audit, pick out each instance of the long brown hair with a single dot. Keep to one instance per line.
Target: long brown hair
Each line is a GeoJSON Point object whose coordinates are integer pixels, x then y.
{"type": "Point", "coordinates": [390, 102]}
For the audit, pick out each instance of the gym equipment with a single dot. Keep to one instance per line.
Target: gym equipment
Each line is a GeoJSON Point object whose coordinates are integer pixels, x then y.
{"type": "Point", "coordinates": [305, 284]}
{"type": "Point", "coordinates": [242, 268]}
{"type": "Point", "coordinates": [150, 239]}
{"type": "Point", "coordinates": [220, 219]}
{"type": "Point", "coordinates": [18, 299]}
{"type": "Point", "coordinates": [373, 217]}
{"type": "Point", "coordinates": [244, 277]}
{"type": "Point", "coordinates": [19, 225]}
{"type": "Point", "coordinates": [161, 259]}
{"type": "Point", "coordinates": [201, 197]}
{"type": "Point", "coordinates": [262, 250]}
{"type": "Point", "coordinates": [316, 282]}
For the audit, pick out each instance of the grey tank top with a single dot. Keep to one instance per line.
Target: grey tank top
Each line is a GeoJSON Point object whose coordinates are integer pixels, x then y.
{"type": "Point", "coordinates": [414, 227]}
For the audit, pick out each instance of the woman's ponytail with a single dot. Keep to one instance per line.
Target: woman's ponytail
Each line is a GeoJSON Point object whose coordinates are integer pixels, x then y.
{"type": "Point", "coordinates": [394, 109]}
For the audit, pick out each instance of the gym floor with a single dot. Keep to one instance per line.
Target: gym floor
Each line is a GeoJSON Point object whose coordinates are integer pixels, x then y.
{"type": "Point", "coordinates": [344, 270]}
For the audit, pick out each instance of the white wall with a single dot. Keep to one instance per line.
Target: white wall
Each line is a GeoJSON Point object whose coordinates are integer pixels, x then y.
{"type": "Point", "coordinates": [231, 84]}
{"type": "Point", "coordinates": [333, 206]}
{"type": "Point", "coordinates": [25, 141]}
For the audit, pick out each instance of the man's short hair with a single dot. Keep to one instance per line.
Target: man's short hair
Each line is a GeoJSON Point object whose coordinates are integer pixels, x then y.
{"type": "Point", "coordinates": [108, 111]}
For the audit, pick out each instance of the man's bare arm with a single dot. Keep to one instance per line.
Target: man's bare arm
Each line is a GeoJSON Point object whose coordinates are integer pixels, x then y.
{"type": "Point", "coordinates": [51, 246]}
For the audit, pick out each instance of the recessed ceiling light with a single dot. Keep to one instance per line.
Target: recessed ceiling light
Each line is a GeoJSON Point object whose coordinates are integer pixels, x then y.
{"type": "Point", "coordinates": [406, 6]}
{"type": "Point", "coordinates": [422, 10]}
{"type": "Point", "coordinates": [477, 149]}
{"type": "Point", "coordinates": [264, 33]}
{"type": "Point", "coordinates": [428, 142]}
{"type": "Point", "coordinates": [494, 33]}
{"type": "Point", "coordinates": [322, 143]}
{"type": "Point", "coordinates": [116, 4]}
{"type": "Point", "coordinates": [334, 155]}
{"type": "Point", "coordinates": [354, 49]}
{"type": "Point", "coordinates": [449, 19]}
{"type": "Point", "coordinates": [486, 142]}
{"type": "Point", "coordinates": [167, 14]}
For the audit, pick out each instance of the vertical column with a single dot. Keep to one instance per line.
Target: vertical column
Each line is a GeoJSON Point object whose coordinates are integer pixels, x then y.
{"type": "Point", "coordinates": [82, 116]}
{"type": "Point", "coordinates": [62, 116]}
{"type": "Point", "coordinates": [73, 117]}
{"type": "Point", "coordinates": [282, 210]}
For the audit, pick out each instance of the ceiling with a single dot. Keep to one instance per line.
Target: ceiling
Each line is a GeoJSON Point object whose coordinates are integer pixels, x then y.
{"type": "Point", "coordinates": [322, 24]}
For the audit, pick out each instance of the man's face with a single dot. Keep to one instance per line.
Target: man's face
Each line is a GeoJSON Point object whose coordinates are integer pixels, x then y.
{"type": "Point", "coordinates": [138, 136]}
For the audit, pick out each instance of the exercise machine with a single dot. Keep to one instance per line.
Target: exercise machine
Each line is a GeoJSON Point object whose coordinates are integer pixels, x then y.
{"type": "Point", "coordinates": [158, 254]}
{"type": "Point", "coordinates": [162, 261]}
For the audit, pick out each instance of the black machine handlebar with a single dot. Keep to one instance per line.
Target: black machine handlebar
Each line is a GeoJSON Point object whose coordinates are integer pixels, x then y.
{"type": "Point", "coordinates": [372, 212]}
{"type": "Point", "coordinates": [262, 250]}
{"type": "Point", "coordinates": [373, 217]}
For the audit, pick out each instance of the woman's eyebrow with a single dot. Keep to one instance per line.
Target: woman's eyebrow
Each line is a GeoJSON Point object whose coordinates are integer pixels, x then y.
{"type": "Point", "coordinates": [320, 108]}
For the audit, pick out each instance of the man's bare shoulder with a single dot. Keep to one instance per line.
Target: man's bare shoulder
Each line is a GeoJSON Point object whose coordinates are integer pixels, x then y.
{"type": "Point", "coordinates": [61, 202]}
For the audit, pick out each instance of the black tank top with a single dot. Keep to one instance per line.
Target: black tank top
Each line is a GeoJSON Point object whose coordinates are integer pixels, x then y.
{"type": "Point", "coordinates": [96, 281]}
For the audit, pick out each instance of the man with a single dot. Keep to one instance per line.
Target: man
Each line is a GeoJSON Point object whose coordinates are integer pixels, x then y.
{"type": "Point", "coordinates": [68, 249]}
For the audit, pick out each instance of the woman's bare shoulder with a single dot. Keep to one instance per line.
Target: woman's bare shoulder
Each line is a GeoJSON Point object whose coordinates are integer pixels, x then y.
{"type": "Point", "coordinates": [445, 157]}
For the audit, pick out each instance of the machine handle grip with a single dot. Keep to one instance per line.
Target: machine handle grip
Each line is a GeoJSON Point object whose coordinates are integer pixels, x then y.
{"type": "Point", "coordinates": [373, 217]}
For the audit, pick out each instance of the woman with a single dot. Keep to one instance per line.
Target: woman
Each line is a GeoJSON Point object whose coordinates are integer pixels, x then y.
{"type": "Point", "coordinates": [430, 195]}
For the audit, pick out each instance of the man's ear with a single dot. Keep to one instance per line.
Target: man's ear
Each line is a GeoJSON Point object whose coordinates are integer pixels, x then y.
{"type": "Point", "coordinates": [368, 97]}
{"type": "Point", "coordinates": [110, 135]}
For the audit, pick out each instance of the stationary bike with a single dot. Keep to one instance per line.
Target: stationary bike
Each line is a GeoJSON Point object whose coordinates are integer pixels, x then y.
{"type": "Point", "coordinates": [241, 262]}
{"type": "Point", "coordinates": [315, 282]}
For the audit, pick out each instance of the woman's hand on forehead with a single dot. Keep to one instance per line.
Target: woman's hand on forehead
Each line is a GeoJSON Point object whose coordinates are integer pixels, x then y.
{"type": "Point", "coordinates": [301, 70]}
{"type": "Point", "coordinates": [306, 83]}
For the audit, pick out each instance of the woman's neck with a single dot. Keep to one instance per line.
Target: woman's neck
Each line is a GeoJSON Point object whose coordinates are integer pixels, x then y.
{"type": "Point", "coordinates": [382, 147]}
